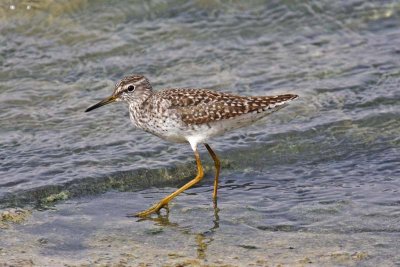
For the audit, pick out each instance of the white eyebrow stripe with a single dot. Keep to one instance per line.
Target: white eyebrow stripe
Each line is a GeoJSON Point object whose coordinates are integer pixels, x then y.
{"type": "Point", "coordinates": [139, 81]}
{"type": "Point", "coordinates": [134, 83]}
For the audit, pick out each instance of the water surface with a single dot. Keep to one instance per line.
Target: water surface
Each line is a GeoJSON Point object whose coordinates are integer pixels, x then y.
{"type": "Point", "coordinates": [315, 182]}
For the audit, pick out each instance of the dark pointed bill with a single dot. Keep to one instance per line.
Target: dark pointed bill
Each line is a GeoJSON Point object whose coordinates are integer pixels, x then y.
{"type": "Point", "coordinates": [103, 102]}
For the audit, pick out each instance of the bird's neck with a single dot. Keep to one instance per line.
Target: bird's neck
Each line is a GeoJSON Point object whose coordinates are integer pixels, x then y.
{"type": "Point", "coordinates": [138, 108]}
{"type": "Point", "coordinates": [141, 99]}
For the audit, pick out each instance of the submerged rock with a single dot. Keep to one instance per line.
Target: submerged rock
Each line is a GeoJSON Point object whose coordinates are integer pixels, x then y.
{"type": "Point", "coordinates": [14, 215]}
{"type": "Point", "coordinates": [63, 195]}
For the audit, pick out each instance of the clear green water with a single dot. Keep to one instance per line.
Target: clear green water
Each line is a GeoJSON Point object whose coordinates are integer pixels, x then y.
{"type": "Point", "coordinates": [316, 182]}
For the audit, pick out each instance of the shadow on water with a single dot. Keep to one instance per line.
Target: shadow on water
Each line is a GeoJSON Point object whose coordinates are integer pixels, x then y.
{"type": "Point", "coordinates": [121, 181]}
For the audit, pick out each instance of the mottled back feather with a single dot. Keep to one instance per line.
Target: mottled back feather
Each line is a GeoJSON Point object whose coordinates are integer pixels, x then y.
{"type": "Point", "coordinates": [198, 106]}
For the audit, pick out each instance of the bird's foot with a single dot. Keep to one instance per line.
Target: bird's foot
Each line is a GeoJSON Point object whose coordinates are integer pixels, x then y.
{"type": "Point", "coordinates": [153, 209]}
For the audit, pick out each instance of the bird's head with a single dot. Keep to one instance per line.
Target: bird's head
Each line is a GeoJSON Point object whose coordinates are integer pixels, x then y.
{"type": "Point", "coordinates": [132, 89]}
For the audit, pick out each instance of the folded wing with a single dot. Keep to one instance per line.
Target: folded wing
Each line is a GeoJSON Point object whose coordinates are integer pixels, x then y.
{"type": "Point", "coordinates": [198, 106]}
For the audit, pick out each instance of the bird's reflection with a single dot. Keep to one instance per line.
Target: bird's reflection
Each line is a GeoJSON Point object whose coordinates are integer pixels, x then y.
{"type": "Point", "coordinates": [202, 239]}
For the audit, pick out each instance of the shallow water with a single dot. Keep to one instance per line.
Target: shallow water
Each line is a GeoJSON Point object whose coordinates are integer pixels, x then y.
{"type": "Point", "coordinates": [318, 180]}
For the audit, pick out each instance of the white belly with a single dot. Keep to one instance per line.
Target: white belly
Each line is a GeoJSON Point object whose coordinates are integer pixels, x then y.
{"type": "Point", "coordinates": [176, 131]}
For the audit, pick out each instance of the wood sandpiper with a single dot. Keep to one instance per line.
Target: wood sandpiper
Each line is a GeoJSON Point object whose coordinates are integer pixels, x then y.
{"type": "Point", "coordinates": [189, 115]}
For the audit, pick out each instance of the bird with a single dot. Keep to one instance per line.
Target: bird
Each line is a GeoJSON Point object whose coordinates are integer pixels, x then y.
{"type": "Point", "coordinates": [189, 115]}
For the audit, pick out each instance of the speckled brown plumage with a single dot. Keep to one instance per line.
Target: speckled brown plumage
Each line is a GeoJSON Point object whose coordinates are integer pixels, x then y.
{"type": "Point", "coordinates": [198, 106]}
{"type": "Point", "coordinates": [189, 115]}
{"type": "Point", "coordinates": [179, 115]}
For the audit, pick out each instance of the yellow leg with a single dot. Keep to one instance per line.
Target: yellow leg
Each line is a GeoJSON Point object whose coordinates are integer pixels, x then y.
{"type": "Point", "coordinates": [164, 202]}
{"type": "Point", "coordinates": [217, 169]}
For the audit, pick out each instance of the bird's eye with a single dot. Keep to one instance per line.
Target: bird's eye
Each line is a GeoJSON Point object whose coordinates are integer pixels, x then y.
{"type": "Point", "coordinates": [131, 88]}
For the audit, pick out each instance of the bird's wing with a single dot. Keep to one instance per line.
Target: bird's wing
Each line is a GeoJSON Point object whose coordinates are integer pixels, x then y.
{"type": "Point", "coordinates": [198, 106]}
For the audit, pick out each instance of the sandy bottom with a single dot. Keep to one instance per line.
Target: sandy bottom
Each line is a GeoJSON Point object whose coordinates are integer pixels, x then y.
{"type": "Point", "coordinates": [96, 232]}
